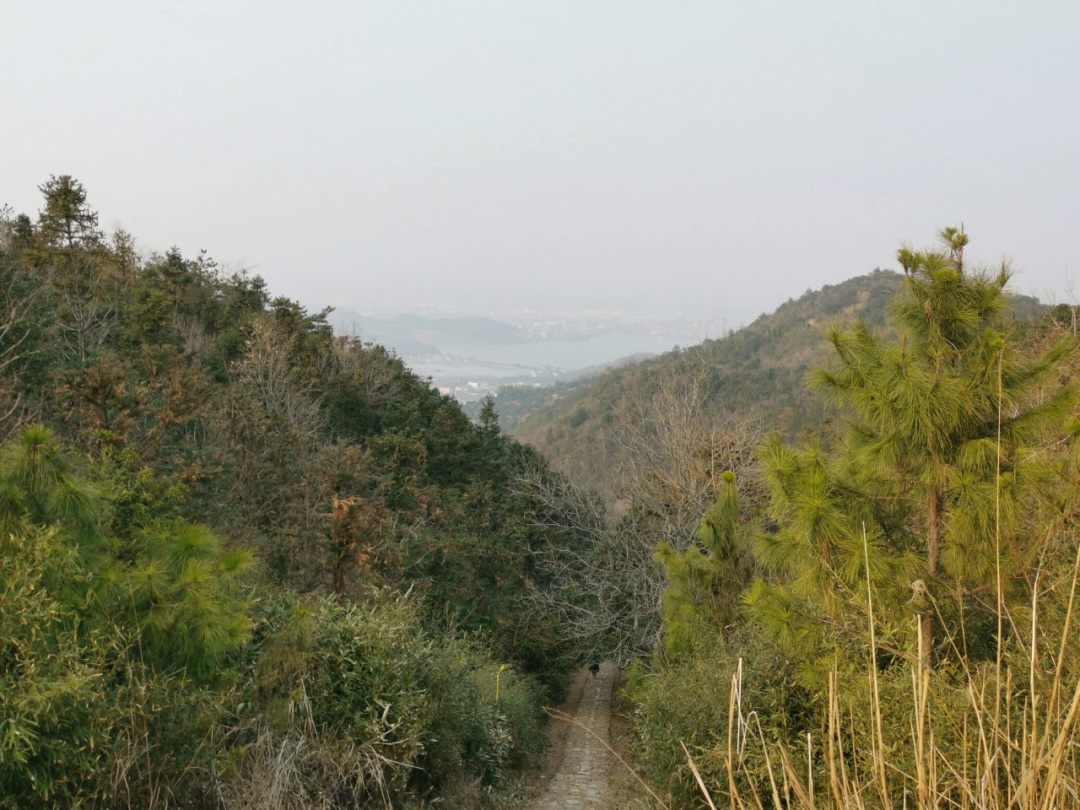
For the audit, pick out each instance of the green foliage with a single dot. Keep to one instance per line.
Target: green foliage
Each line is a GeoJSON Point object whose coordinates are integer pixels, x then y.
{"type": "Point", "coordinates": [77, 618]}
{"type": "Point", "coordinates": [54, 718]}
{"type": "Point", "coordinates": [365, 672]}
{"type": "Point", "coordinates": [184, 589]}
{"type": "Point", "coordinates": [40, 488]}
{"type": "Point", "coordinates": [386, 709]}
{"type": "Point", "coordinates": [697, 602]}
{"type": "Point", "coordinates": [474, 732]}
{"type": "Point", "coordinates": [66, 219]}
{"type": "Point", "coordinates": [141, 643]}
{"type": "Point", "coordinates": [915, 491]}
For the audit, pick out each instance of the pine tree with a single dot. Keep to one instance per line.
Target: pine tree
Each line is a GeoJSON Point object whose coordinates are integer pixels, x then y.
{"type": "Point", "coordinates": [489, 419]}
{"type": "Point", "coordinates": [184, 589]}
{"type": "Point", "coordinates": [39, 487]}
{"type": "Point", "coordinates": [704, 579]}
{"type": "Point", "coordinates": [923, 489]}
{"type": "Point", "coordinates": [66, 219]}
{"type": "Point", "coordinates": [176, 581]}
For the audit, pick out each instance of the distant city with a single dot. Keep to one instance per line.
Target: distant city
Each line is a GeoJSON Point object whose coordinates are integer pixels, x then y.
{"type": "Point", "coordinates": [469, 356]}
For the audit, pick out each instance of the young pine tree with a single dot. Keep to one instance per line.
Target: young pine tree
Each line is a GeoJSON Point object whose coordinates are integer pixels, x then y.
{"type": "Point", "coordinates": [924, 489]}
{"type": "Point", "coordinates": [704, 580]}
{"type": "Point", "coordinates": [489, 420]}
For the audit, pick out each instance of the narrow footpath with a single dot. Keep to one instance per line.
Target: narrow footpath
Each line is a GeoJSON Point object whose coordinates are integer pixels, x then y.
{"type": "Point", "coordinates": [583, 778]}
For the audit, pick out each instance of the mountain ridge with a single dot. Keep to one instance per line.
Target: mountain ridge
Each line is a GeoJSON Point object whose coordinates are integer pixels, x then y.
{"type": "Point", "coordinates": [757, 370]}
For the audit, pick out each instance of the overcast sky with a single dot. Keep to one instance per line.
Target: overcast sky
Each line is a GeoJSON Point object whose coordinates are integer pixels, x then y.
{"type": "Point", "coordinates": [669, 156]}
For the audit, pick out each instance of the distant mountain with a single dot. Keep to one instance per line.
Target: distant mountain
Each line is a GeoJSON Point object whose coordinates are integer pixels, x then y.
{"type": "Point", "coordinates": [420, 336]}
{"type": "Point", "coordinates": [759, 370]}
{"type": "Point", "coordinates": [487, 331]}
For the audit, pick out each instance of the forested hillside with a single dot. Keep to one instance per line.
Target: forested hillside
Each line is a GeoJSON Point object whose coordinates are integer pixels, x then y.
{"type": "Point", "coordinates": [241, 554]}
{"type": "Point", "coordinates": [758, 370]}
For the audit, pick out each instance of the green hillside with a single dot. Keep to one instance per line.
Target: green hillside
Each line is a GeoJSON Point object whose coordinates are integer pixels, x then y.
{"type": "Point", "coordinates": [233, 539]}
{"type": "Point", "coordinates": [758, 370]}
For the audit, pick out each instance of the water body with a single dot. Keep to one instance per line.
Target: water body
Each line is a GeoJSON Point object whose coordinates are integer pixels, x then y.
{"type": "Point", "coordinates": [569, 354]}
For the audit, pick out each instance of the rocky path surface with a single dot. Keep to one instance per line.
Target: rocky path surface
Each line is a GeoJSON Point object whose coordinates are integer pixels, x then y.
{"type": "Point", "coordinates": [583, 778]}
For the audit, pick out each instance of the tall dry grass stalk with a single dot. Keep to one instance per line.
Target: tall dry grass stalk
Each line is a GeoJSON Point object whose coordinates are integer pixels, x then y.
{"type": "Point", "coordinates": [1018, 750]}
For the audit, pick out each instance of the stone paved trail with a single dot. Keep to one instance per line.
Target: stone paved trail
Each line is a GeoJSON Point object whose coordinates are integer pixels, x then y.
{"type": "Point", "coordinates": [583, 780]}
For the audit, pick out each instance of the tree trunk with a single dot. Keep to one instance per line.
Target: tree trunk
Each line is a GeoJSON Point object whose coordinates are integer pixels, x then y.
{"type": "Point", "coordinates": [933, 549]}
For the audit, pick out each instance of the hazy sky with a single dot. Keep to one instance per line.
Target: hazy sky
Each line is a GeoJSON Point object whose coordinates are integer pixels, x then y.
{"type": "Point", "coordinates": [661, 156]}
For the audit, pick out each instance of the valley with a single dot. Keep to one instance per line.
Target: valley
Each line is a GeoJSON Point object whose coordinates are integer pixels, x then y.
{"type": "Point", "coordinates": [471, 357]}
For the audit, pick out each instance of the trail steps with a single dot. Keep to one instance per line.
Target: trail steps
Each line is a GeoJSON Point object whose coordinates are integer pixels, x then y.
{"type": "Point", "coordinates": [583, 778]}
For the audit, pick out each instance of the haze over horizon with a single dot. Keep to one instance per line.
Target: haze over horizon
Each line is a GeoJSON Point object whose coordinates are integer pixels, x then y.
{"type": "Point", "coordinates": [490, 157]}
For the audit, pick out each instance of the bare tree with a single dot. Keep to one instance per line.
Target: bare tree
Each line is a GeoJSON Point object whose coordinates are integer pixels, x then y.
{"type": "Point", "coordinates": [267, 372]}
{"type": "Point", "coordinates": [372, 374]}
{"type": "Point", "coordinates": [17, 305]}
{"type": "Point", "coordinates": [270, 426]}
{"type": "Point", "coordinates": [674, 443]}
{"type": "Point", "coordinates": [604, 586]}
{"type": "Point", "coordinates": [89, 313]}
{"type": "Point", "coordinates": [197, 341]}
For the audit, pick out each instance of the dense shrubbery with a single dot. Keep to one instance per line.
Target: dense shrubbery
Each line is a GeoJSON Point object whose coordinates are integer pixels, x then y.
{"type": "Point", "coordinates": [136, 670]}
{"type": "Point", "coordinates": [357, 703]}
{"type": "Point", "coordinates": [687, 702]}
{"type": "Point", "coordinates": [209, 400]}
{"type": "Point", "coordinates": [107, 644]}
